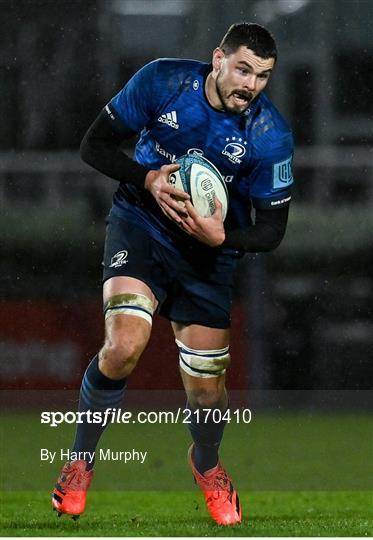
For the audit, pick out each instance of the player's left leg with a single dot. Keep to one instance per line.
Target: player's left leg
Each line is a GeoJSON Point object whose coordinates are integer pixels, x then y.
{"type": "Point", "coordinates": [203, 375]}
{"type": "Point", "coordinates": [204, 357]}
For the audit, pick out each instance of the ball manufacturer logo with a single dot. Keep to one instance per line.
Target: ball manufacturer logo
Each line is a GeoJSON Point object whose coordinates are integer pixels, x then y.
{"type": "Point", "coordinates": [197, 151]}
{"type": "Point", "coordinates": [206, 184]}
{"type": "Point", "coordinates": [172, 179]}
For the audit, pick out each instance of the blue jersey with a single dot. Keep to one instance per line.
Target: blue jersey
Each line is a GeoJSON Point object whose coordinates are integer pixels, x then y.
{"type": "Point", "coordinates": [165, 101]}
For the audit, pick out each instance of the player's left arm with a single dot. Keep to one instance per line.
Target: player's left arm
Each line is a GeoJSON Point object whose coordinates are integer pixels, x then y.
{"type": "Point", "coordinates": [265, 235]}
{"type": "Point", "coordinates": [208, 230]}
{"type": "Point", "coordinates": [270, 183]}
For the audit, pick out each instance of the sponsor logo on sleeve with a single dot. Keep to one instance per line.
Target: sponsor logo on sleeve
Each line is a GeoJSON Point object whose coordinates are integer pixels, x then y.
{"type": "Point", "coordinates": [281, 201]}
{"type": "Point", "coordinates": [282, 174]}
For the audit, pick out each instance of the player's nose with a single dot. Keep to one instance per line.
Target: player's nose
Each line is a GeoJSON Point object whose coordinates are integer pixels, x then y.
{"type": "Point", "coordinates": [250, 82]}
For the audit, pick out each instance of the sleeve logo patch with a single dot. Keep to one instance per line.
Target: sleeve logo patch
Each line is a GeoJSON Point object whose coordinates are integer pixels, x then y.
{"type": "Point", "coordinates": [282, 174]}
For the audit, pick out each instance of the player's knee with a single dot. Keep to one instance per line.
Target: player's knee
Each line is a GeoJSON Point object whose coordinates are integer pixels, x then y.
{"type": "Point", "coordinates": [205, 364]}
{"type": "Point", "coordinates": [117, 359]}
{"type": "Point", "coordinates": [207, 399]}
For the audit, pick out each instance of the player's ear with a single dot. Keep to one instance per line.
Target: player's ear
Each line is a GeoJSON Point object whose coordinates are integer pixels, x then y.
{"type": "Point", "coordinates": [217, 58]}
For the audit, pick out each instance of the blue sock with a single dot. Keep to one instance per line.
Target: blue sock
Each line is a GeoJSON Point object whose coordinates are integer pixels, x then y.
{"type": "Point", "coordinates": [97, 393]}
{"type": "Point", "coordinates": [207, 437]}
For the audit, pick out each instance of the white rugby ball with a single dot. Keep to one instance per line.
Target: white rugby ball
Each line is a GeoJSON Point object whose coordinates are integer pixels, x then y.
{"type": "Point", "coordinates": [199, 178]}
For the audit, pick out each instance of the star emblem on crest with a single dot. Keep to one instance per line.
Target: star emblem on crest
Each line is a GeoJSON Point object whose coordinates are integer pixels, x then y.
{"type": "Point", "coordinates": [238, 139]}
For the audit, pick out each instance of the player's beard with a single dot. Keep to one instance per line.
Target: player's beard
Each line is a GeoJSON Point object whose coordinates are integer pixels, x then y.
{"type": "Point", "coordinates": [224, 96]}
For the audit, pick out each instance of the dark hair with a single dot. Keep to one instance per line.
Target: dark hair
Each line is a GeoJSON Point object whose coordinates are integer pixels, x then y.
{"type": "Point", "coordinates": [251, 35]}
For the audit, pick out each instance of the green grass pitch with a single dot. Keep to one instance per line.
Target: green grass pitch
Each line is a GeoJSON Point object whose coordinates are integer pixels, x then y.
{"type": "Point", "coordinates": [297, 474]}
{"type": "Point", "coordinates": [184, 514]}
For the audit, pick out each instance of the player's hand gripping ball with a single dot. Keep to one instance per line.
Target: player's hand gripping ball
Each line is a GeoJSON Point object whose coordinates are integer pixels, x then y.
{"type": "Point", "coordinates": [199, 178]}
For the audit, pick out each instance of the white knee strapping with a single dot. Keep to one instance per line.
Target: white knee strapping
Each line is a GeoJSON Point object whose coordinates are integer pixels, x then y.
{"type": "Point", "coordinates": [200, 363]}
{"type": "Point", "coordinates": [134, 304]}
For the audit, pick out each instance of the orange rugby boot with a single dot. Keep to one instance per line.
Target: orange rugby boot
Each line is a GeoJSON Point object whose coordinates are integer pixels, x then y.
{"type": "Point", "coordinates": [70, 492]}
{"type": "Point", "coordinates": [221, 498]}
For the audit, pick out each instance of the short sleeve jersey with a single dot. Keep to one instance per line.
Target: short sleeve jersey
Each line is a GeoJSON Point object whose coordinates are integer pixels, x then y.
{"type": "Point", "coordinates": [165, 102]}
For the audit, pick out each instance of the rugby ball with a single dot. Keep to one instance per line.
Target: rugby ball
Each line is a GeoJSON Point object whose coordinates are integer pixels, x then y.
{"type": "Point", "coordinates": [199, 178]}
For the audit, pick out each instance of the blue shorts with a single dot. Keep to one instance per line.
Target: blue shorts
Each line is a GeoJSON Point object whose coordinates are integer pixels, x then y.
{"type": "Point", "coordinates": [191, 288]}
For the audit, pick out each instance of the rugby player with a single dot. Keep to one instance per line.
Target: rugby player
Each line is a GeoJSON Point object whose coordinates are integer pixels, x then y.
{"type": "Point", "coordinates": [161, 256]}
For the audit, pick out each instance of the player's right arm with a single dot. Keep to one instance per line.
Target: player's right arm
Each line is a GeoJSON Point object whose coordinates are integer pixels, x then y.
{"type": "Point", "coordinates": [127, 114]}
{"type": "Point", "coordinates": [101, 148]}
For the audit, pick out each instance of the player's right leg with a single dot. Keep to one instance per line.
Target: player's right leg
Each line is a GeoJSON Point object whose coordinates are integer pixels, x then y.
{"type": "Point", "coordinates": [129, 304]}
{"type": "Point", "coordinates": [129, 307]}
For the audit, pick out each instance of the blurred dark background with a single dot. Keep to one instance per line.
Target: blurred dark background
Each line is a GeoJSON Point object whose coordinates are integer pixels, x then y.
{"type": "Point", "coordinates": [303, 315]}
